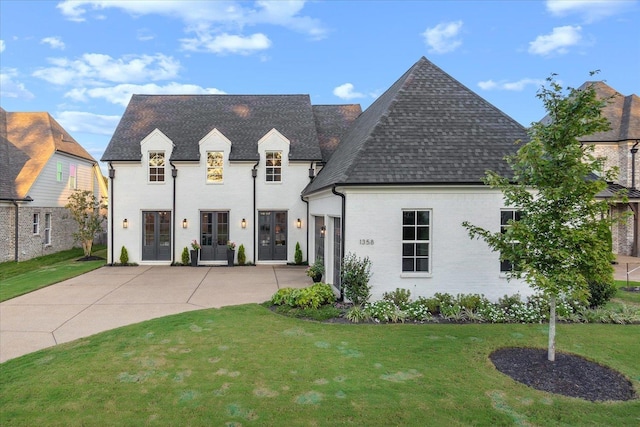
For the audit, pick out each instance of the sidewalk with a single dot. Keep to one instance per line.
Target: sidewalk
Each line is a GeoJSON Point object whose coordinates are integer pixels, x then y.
{"type": "Point", "coordinates": [111, 297]}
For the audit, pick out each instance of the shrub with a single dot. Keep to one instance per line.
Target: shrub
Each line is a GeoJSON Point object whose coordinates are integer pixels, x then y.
{"type": "Point", "coordinates": [124, 256]}
{"type": "Point", "coordinates": [357, 314]}
{"type": "Point", "coordinates": [242, 257]}
{"type": "Point", "coordinates": [298, 254]}
{"type": "Point", "coordinates": [470, 301]}
{"type": "Point", "coordinates": [355, 277]}
{"type": "Point", "coordinates": [385, 311]}
{"type": "Point", "coordinates": [185, 256]}
{"type": "Point", "coordinates": [418, 311]}
{"type": "Point", "coordinates": [284, 296]}
{"type": "Point", "coordinates": [600, 294]}
{"type": "Point", "coordinates": [431, 304]}
{"type": "Point", "coordinates": [310, 297]}
{"type": "Point", "coordinates": [399, 297]}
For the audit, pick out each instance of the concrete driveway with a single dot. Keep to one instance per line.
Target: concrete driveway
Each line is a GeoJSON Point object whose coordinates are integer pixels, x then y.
{"type": "Point", "coordinates": [111, 297]}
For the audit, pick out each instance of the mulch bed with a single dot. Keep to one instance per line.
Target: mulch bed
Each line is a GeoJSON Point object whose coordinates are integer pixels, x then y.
{"type": "Point", "coordinates": [569, 375]}
{"type": "Point", "coordinates": [90, 258]}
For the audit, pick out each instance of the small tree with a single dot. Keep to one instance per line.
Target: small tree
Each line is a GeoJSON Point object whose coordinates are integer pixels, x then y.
{"type": "Point", "coordinates": [124, 256]}
{"type": "Point", "coordinates": [355, 277]}
{"type": "Point", "coordinates": [562, 240]}
{"type": "Point", "coordinates": [242, 257]}
{"type": "Point", "coordinates": [185, 256]}
{"type": "Point", "coordinates": [298, 254]}
{"type": "Point", "coordinates": [86, 210]}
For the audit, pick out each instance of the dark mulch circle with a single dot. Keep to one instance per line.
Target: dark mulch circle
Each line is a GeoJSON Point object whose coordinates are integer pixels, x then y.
{"type": "Point", "coordinates": [90, 258]}
{"type": "Point", "coordinates": [569, 375]}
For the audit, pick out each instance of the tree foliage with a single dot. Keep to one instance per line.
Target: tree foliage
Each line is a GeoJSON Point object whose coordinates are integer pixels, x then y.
{"type": "Point", "coordinates": [562, 240]}
{"type": "Point", "coordinates": [87, 211]}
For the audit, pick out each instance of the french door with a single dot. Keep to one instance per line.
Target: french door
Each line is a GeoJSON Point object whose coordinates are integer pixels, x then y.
{"type": "Point", "coordinates": [156, 236]}
{"type": "Point", "coordinates": [272, 236]}
{"type": "Point", "coordinates": [214, 235]}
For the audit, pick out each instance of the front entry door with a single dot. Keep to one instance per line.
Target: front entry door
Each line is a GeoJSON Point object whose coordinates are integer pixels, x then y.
{"type": "Point", "coordinates": [214, 235]}
{"type": "Point", "coordinates": [273, 236]}
{"type": "Point", "coordinates": [156, 237]}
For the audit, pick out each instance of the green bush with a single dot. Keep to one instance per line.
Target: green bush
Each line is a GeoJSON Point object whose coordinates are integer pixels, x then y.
{"type": "Point", "coordinates": [400, 297]}
{"type": "Point", "coordinates": [310, 297]}
{"type": "Point", "coordinates": [124, 256]}
{"type": "Point", "coordinates": [600, 294]}
{"type": "Point", "coordinates": [298, 254]}
{"type": "Point", "coordinates": [355, 277]}
{"type": "Point", "coordinates": [185, 256]}
{"type": "Point", "coordinates": [242, 257]}
{"type": "Point", "coordinates": [470, 301]}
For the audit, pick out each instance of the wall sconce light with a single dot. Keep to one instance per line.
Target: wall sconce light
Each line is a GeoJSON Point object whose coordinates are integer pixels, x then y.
{"type": "Point", "coordinates": [243, 223]}
{"type": "Point", "coordinates": [323, 230]}
{"type": "Point", "coordinates": [125, 223]}
{"type": "Point", "coordinates": [299, 223]}
{"type": "Point", "coordinates": [185, 223]}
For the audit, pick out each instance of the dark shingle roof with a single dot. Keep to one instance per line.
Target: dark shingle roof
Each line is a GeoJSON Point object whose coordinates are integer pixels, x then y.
{"type": "Point", "coordinates": [427, 128]}
{"type": "Point", "coordinates": [243, 119]}
{"type": "Point", "coordinates": [332, 123]}
{"type": "Point", "coordinates": [623, 113]}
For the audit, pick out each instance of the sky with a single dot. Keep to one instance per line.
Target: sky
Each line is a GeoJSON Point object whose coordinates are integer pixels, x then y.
{"type": "Point", "coordinates": [81, 60]}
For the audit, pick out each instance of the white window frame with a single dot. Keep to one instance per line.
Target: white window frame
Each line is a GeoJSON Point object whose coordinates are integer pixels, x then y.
{"type": "Point", "coordinates": [273, 166]}
{"type": "Point", "coordinates": [47, 229]}
{"type": "Point", "coordinates": [212, 166]}
{"type": "Point", "coordinates": [59, 173]}
{"type": "Point", "coordinates": [515, 216]}
{"type": "Point", "coordinates": [73, 176]}
{"type": "Point", "coordinates": [415, 241]}
{"type": "Point", "coordinates": [159, 171]}
{"type": "Point", "coordinates": [36, 224]}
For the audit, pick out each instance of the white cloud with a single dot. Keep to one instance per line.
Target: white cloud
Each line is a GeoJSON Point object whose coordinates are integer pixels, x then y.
{"type": "Point", "coordinates": [346, 91]}
{"type": "Point", "coordinates": [517, 86]}
{"type": "Point", "coordinates": [53, 42]}
{"type": "Point", "coordinates": [80, 121]}
{"type": "Point", "coordinates": [121, 94]}
{"type": "Point", "coordinates": [227, 43]}
{"type": "Point", "coordinates": [589, 10]}
{"type": "Point", "coordinates": [10, 87]}
{"type": "Point", "coordinates": [443, 37]}
{"type": "Point", "coordinates": [200, 16]}
{"type": "Point", "coordinates": [144, 35]}
{"type": "Point", "coordinates": [95, 68]}
{"type": "Point", "coordinates": [557, 42]}
{"type": "Point", "coordinates": [2, 46]}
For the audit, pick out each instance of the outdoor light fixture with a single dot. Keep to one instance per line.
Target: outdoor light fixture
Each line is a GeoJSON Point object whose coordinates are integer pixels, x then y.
{"type": "Point", "coordinates": [243, 223]}
{"type": "Point", "coordinates": [125, 223]}
{"type": "Point", "coordinates": [185, 223]}
{"type": "Point", "coordinates": [323, 230]}
{"type": "Point", "coordinates": [299, 223]}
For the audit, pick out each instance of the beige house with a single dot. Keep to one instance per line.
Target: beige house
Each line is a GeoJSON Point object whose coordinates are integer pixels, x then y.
{"type": "Point", "coordinates": [40, 166]}
{"type": "Point", "coordinates": [620, 147]}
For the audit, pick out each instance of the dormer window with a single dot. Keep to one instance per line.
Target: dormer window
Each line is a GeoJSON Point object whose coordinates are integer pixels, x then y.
{"type": "Point", "coordinates": [156, 166]}
{"type": "Point", "coordinates": [215, 167]}
{"type": "Point", "coordinates": [274, 166]}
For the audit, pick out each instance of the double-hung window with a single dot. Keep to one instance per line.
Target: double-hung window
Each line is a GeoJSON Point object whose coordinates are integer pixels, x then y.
{"type": "Point", "coordinates": [215, 166]}
{"type": "Point", "coordinates": [59, 172]}
{"type": "Point", "coordinates": [73, 179]}
{"type": "Point", "coordinates": [36, 223]}
{"type": "Point", "coordinates": [274, 166]}
{"type": "Point", "coordinates": [416, 240]}
{"type": "Point", "coordinates": [156, 166]}
{"type": "Point", "coordinates": [507, 217]}
{"type": "Point", "coordinates": [47, 229]}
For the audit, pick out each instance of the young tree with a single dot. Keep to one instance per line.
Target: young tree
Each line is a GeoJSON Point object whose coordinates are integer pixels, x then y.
{"type": "Point", "coordinates": [562, 240]}
{"type": "Point", "coordinates": [86, 210]}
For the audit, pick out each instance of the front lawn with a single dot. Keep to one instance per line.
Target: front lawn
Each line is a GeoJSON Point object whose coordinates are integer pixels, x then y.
{"type": "Point", "coordinates": [19, 278]}
{"type": "Point", "coordinates": [246, 365]}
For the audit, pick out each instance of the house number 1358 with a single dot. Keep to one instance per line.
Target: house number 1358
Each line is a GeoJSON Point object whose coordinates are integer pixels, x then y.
{"type": "Point", "coordinates": [366, 241]}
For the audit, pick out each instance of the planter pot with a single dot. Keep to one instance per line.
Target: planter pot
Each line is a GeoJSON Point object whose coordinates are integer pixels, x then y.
{"type": "Point", "coordinates": [230, 256]}
{"type": "Point", "coordinates": [317, 278]}
{"type": "Point", "coordinates": [194, 258]}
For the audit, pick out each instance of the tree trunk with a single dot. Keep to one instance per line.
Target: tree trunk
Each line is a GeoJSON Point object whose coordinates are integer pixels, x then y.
{"type": "Point", "coordinates": [551, 354]}
{"type": "Point", "coordinates": [86, 247]}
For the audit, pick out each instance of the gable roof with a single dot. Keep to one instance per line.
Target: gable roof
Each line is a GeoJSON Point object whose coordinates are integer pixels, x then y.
{"type": "Point", "coordinates": [427, 128]}
{"type": "Point", "coordinates": [332, 123]}
{"type": "Point", "coordinates": [27, 142]}
{"type": "Point", "coordinates": [623, 113]}
{"type": "Point", "coordinates": [243, 119]}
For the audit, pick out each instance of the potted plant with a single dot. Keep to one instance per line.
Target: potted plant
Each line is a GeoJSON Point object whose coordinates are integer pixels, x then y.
{"type": "Point", "coordinates": [195, 247]}
{"type": "Point", "coordinates": [231, 252]}
{"type": "Point", "coordinates": [316, 270]}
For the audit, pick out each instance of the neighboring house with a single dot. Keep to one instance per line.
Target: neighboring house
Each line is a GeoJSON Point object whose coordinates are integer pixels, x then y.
{"type": "Point", "coordinates": [40, 166]}
{"type": "Point", "coordinates": [620, 147]}
{"type": "Point", "coordinates": [393, 183]}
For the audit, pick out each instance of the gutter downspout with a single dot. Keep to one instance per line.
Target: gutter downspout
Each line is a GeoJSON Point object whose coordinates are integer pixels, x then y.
{"type": "Point", "coordinates": [342, 230]}
{"type": "Point", "coordinates": [636, 208]}
{"type": "Point", "coordinates": [174, 174]}
{"type": "Point", "coordinates": [254, 175]}
{"type": "Point", "coordinates": [634, 150]}
{"type": "Point", "coordinates": [17, 229]}
{"type": "Point", "coordinates": [112, 176]}
{"type": "Point", "coordinates": [311, 176]}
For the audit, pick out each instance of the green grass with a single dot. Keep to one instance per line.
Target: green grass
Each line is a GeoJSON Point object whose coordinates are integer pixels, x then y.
{"type": "Point", "coordinates": [246, 365]}
{"type": "Point", "coordinates": [18, 278]}
{"type": "Point", "coordinates": [629, 298]}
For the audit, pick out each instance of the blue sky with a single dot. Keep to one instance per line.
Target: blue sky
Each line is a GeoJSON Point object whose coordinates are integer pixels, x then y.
{"type": "Point", "coordinates": [81, 60]}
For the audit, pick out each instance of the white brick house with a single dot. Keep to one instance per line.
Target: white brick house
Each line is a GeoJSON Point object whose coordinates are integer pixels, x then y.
{"type": "Point", "coordinates": [393, 183]}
